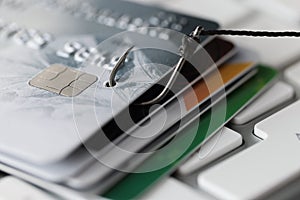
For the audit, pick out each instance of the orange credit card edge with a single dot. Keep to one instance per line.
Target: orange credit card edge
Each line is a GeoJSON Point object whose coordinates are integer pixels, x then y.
{"type": "Point", "coordinates": [214, 81]}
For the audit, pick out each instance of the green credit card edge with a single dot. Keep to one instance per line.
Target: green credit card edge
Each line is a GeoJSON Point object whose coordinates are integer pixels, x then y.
{"type": "Point", "coordinates": [136, 184]}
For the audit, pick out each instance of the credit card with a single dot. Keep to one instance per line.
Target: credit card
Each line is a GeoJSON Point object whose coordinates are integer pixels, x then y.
{"type": "Point", "coordinates": [32, 41]}
{"type": "Point", "coordinates": [204, 89]}
{"type": "Point", "coordinates": [46, 117]}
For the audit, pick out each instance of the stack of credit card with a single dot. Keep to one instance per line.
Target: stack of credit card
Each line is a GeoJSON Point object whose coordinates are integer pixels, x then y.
{"type": "Point", "coordinates": [64, 128]}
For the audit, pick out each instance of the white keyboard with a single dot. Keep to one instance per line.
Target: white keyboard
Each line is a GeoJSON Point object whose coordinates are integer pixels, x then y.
{"type": "Point", "coordinates": [256, 156]}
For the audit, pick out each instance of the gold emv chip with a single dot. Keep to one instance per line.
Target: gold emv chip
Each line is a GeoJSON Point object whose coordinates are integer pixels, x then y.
{"type": "Point", "coordinates": [63, 80]}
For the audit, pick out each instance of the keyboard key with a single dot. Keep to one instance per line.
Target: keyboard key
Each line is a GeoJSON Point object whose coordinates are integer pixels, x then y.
{"type": "Point", "coordinates": [220, 144]}
{"type": "Point", "coordinates": [263, 168]}
{"type": "Point", "coordinates": [283, 10]}
{"type": "Point", "coordinates": [283, 124]}
{"type": "Point", "coordinates": [292, 4]}
{"type": "Point", "coordinates": [171, 188]}
{"type": "Point", "coordinates": [277, 95]}
{"type": "Point", "coordinates": [292, 75]}
{"type": "Point", "coordinates": [14, 189]}
{"type": "Point", "coordinates": [276, 52]}
{"type": "Point", "coordinates": [234, 11]}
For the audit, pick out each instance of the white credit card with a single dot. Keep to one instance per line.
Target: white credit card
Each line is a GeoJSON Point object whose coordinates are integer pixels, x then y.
{"type": "Point", "coordinates": [44, 115]}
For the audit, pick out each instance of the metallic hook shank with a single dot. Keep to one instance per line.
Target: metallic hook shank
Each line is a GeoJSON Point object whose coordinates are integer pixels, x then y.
{"type": "Point", "coordinates": [119, 64]}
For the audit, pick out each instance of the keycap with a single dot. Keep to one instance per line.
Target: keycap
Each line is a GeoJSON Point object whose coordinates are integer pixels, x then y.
{"type": "Point", "coordinates": [220, 144]}
{"type": "Point", "coordinates": [276, 52]}
{"type": "Point", "coordinates": [234, 11]}
{"type": "Point", "coordinates": [292, 75]}
{"type": "Point", "coordinates": [287, 11]}
{"type": "Point", "coordinates": [264, 167]}
{"type": "Point", "coordinates": [171, 188]}
{"type": "Point", "coordinates": [15, 189]}
{"type": "Point", "coordinates": [277, 95]}
{"type": "Point", "coordinates": [292, 4]}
